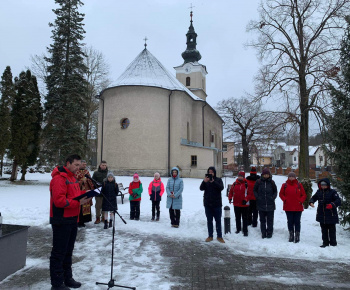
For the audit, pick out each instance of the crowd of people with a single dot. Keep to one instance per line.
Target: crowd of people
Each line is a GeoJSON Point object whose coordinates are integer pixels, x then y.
{"type": "Point", "coordinates": [251, 197]}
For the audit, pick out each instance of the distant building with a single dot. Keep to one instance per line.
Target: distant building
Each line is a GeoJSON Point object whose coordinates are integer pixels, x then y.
{"type": "Point", "coordinates": [262, 154]}
{"type": "Point", "coordinates": [151, 120]}
{"type": "Point", "coordinates": [284, 155]}
{"type": "Point", "coordinates": [228, 155]}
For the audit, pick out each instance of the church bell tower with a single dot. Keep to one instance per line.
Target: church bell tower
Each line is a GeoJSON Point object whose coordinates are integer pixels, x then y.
{"type": "Point", "coordinates": [191, 73]}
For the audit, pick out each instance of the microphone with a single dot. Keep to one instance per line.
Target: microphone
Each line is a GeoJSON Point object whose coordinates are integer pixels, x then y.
{"type": "Point", "coordinates": [93, 180]}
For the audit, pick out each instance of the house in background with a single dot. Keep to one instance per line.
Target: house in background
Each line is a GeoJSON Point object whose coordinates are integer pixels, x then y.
{"type": "Point", "coordinates": [262, 154]}
{"type": "Point", "coordinates": [228, 155]}
{"type": "Point", "coordinates": [321, 158]}
{"type": "Point", "coordinates": [284, 155]}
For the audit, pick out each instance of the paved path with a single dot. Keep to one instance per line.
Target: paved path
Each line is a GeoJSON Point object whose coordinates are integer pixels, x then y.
{"type": "Point", "coordinates": [199, 265]}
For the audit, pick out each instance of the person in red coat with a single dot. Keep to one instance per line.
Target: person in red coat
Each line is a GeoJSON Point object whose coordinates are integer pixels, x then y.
{"type": "Point", "coordinates": [293, 195]}
{"type": "Point", "coordinates": [253, 211]}
{"type": "Point", "coordinates": [239, 194]}
{"type": "Point", "coordinates": [64, 216]}
{"type": "Point", "coordinates": [135, 191]}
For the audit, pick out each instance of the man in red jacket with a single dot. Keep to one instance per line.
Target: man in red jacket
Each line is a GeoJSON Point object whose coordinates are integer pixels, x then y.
{"type": "Point", "coordinates": [64, 212]}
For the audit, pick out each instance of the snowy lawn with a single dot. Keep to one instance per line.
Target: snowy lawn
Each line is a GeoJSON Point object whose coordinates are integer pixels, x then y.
{"type": "Point", "coordinates": [27, 203]}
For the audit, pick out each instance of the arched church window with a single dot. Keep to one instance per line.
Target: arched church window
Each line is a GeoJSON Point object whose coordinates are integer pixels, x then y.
{"type": "Point", "coordinates": [125, 122]}
{"type": "Point", "coordinates": [188, 81]}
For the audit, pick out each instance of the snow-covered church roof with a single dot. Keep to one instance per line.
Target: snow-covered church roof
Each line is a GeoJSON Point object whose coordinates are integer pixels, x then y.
{"type": "Point", "coordinates": [146, 70]}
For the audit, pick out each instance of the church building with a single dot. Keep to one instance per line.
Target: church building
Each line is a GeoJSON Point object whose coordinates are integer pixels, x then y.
{"type": "Point", "coordinates": [152, 121]}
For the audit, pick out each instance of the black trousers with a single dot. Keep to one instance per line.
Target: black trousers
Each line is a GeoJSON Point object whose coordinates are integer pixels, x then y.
{"type": "Point", "coordinates": [214, 213]}
{"type": "Point", "coordinates": [241, 213]}
{"type": "Point", "coordinates": [134, 209]}
{"type": "Point", "coordinates": [253, 213]}
{"type": "Point", "coordinates": [63, 239]}
{"type": "Point", "coordinates": [174, 216]}
{"type": "Point", "coordinates": [293, 220]}
{"type": "Point", "coordinates": [329, 236]}
{"type": "Point", "coordinates": [266, 222]}
{"type": "Point", "coordinates": [155, 206]}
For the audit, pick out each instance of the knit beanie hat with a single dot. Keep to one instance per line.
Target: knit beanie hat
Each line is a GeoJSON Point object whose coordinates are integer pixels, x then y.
{"type": "Point", "coordinates": [110, 174]}
{"type": "Point", "coordinates": [323, 183]}
{"type": "Point", "coordinates": [241, 173]}
{"type": "Point", "coordinates": [253, 170]}
{"type": "Point", "coordinates": [266, 171]}
{"type": "Point", "coordinates": [136, 176]}
{"type": "Point", "coordinates": [292, 174]}
{"type": "Point", "coordinates": [156, 174]}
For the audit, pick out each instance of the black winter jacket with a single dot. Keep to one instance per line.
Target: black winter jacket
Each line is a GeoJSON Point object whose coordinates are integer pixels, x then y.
{"type": "Point", "coordinates": [100, 174]}
{"type": "Point", "coordinates": [212, 191]}
{"type": "Point", "coordinates": [324, 197]}
{"type": "Point", "coordinates": [265, 192]}
{"type": "Point", "coordinates": [110, 191]}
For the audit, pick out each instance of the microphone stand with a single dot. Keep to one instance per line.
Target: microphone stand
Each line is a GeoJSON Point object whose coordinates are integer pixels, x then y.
{"type": "Point", "coordinates": [111, 282]}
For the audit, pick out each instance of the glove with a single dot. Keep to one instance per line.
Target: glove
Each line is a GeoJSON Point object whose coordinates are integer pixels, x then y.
{"type": "Point", "coordinates": [134, 195]}
{"type": "Point", "coordinates": [244, 202]}
{"type": "Point", "coordinates": [230, 201]}
{"type": "Point", "coordinates": [329, 206]}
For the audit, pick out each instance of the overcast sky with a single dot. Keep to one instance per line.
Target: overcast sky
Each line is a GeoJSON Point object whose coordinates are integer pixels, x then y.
{"type": "Point", "coordinates": [117, 29]}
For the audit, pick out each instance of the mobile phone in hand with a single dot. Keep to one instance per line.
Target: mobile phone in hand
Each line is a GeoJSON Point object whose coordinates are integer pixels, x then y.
{"type": "Point", "coordinates": [210, 176]}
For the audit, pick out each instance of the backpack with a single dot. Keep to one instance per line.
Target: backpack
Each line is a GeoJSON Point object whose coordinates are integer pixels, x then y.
{"type": "Point", "coordinates": [299, 187]}
{"type": "Point", "coordinates": [246, 190]}
{"type": "Point", "coordinates": [246, 184]}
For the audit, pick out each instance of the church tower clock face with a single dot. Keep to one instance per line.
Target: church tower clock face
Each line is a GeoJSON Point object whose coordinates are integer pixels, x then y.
{"type": "Point", "coordinates": [188, 69]}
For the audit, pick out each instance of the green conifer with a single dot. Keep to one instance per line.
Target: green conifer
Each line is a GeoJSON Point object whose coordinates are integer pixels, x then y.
{"type": "Point", "coordinates": [7, 95]}
{"type": "Point", "coordinates": [64, 117]}
{"type": "Point", "coordinates": [26, 116]}
{"type": "Point", "coordinates": [338, 128]}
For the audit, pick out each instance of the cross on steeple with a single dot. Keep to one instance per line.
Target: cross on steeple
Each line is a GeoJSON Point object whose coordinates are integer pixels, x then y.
{"type": "Point", "coordinates": [145, 39]}
{"type": "Point", "coordinates": [191, 11]}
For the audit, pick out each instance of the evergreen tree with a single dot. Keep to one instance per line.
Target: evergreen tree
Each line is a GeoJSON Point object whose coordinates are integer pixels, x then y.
{"type": "Point", "coordinates": [64, 116]}
{"type": "Point", "coordinates": [338, 133]}
{"type": "Point", "coordinates": [26, 118]}
{"type": "Point", "coordinates": [7, 95]}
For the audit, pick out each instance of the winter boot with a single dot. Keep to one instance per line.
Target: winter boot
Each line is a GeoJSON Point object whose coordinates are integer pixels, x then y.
{"type": "Point", "coordinates": [71, 283]}
{"type": "Point", "coordinates": [157, 219]}
{"type": "Point", "coordinates": [153, 218]}
{"type": "Point", "coordinates": [106, 225]}
{"type": "Point", "coordinates": [291, 236]}
{"type": "Point", "coordinates": [110, 223]}
{"type": "Point", "coordinates": [297, 237]}
{"type": "Point", "coordinates": [97, 221]}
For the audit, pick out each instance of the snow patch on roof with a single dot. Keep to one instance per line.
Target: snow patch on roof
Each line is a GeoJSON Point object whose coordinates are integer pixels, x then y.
{"type": "Point", "coordinates": [146, 70]}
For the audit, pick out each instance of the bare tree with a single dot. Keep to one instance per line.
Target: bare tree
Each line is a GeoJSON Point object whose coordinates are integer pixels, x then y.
{"type": "Point", "coordinates": [247, 121]}
{"type": "Point", "coordinates": [39, 69]}
{"type": "Point", "coordinates": [97, 77]}
{"type": "Point", "coordinates": [298, 45]}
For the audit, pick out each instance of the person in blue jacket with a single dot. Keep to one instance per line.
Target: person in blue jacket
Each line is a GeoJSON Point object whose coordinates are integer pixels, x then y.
{"type": "Point", "coordinates": [174, 190]}
{"type": "Point", "coordinates": [327, 215]}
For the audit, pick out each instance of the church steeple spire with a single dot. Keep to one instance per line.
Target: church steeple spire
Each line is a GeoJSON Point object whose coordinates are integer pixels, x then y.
{"type": "Point", "coordinates": [191, 54]}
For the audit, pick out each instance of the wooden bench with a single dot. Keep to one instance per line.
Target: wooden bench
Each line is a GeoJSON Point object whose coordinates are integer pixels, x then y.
{"type": "Point", "coordinates": [122, 191]}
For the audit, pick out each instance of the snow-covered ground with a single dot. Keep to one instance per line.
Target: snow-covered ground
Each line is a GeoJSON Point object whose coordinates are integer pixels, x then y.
{"type": "Point", "coordinates": [28, 204]}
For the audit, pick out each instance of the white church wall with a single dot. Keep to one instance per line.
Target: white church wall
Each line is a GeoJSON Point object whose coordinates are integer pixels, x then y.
{"type": "Point", "coordinates": [205, 159]}
{"type": "Point", "coordinates": [142, 147]}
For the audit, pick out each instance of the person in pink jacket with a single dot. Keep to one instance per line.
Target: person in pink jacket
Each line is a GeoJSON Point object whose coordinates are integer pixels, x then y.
{"type": "Point", "coordinates": [155, 191]}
